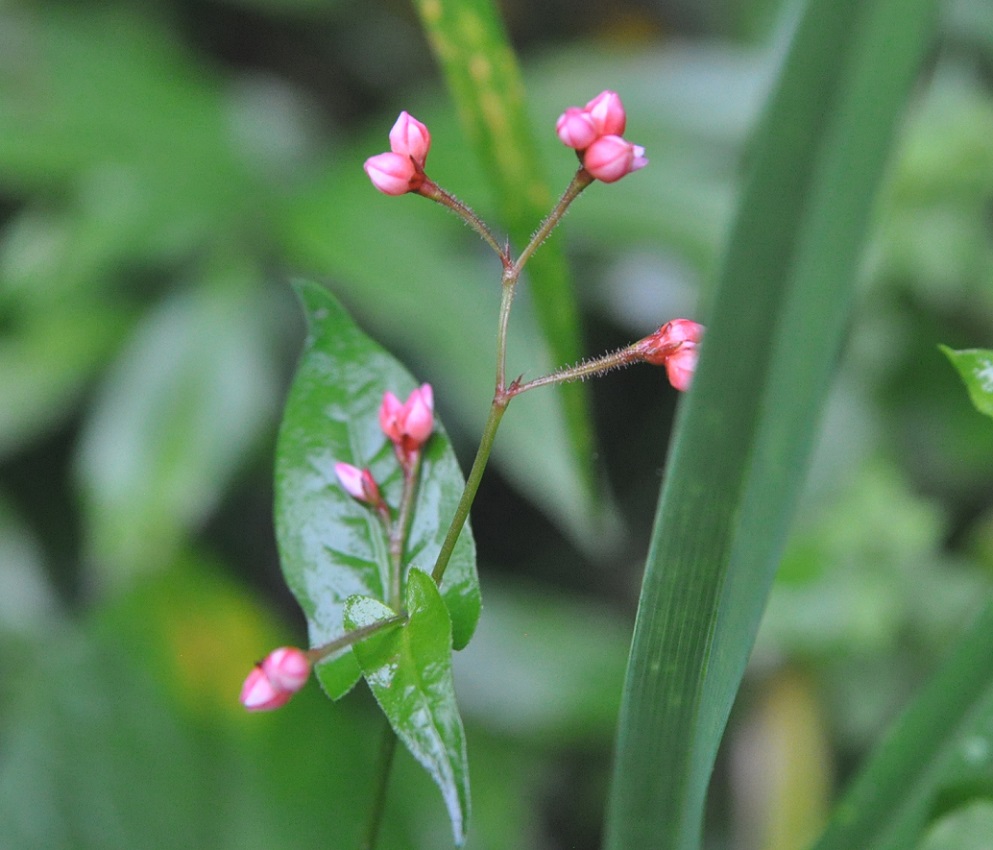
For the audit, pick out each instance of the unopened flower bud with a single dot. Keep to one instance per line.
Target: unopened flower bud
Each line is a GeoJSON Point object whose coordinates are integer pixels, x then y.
{"type": "Point", "coordinates": [674, 345]}
{"type": "Point", "coordinates": [607, 113]}
{"type": "Point", "coordinates": [358, 483]}
{"type": "Point", "coordinates": [609, 158]}
{"type": "Point", "coordinates": [410, 138]}
{"type": "Point", "coordinates": [419, 420]}
{"type": "Point", "coordinates": [393, 173]}
{"type": "Point", "coordinates": [576, 129]}
{"type": "Point", "coordinates": [275, 679]}
{"type": "Point", "coordinates": [409, 424]}
{"type": "Point", "coordinates": [681, 365]}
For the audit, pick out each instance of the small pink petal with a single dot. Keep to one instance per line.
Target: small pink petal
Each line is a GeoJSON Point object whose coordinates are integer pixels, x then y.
{"type": "Point", "coordinates": [351, 479]}
{"type": "Point", "coordinates": [259, 694]}
{"type": "Point", "coordinates": [609, 158]}
{"type": "Point", "coordinates": [410, 138]}
{"type": "Point", "coordinates": [576, 129]}
{"type": "Point", "coordinates": [389, 415]}
{"type": "Point", "coordinates": [392, 173]}
{"type": "Point", "coordinates": [681, 365]}
{"type": "Point", "coordinates": [287, 668]}
{"type": "Point", "coordinates": [607, 113]}
{"type": "Point", "coordinates": [418, 415]}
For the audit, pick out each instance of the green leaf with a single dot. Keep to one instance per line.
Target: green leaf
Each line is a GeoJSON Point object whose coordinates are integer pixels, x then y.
{"type": "Point", "coordinates": [941, 739]}
{"type": "Point", "coordinates": [409, 669]}
{"type": "Point", "coordinates": [975, 365]}
{"type": "Point", "coordinates": [46, 360]}
{"type": "Point", "coordinates": [187, 398]}
{"type": "Point", "coordinates": [332, 547]}
{"type": "Point", "coordinates": [744, 436]}
{"type": "Point", "coordinates": [471, 45]}
{"type": "Point", "coordinates": [967, 828]}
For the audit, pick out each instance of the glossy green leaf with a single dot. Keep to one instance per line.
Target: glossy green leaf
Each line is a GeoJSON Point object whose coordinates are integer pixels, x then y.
{"type": "Point", "coordinates": [332, 547]}
{"type": "Point", "coordinates": [975, 365]}
{"type": "Point", "coordinates": [744, 435]}
{"type": "Point", "coordinates": [470, 43]}
{"type": "Point", "coordinates": [409, 669]}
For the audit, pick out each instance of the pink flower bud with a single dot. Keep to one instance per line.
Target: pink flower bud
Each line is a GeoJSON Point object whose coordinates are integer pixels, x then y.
{"type": "Point", "coordinates": [607, 113]}
{"type": "Point", "coordinates": [576, 129]}
{"type": "Point", "coordinates": [358, 483]}
{"type": "Point", "coordinates": [408, 425]}
{"type": "Point", "coordinates": [680, 366]}
{"type": "Point", "coordinates": [411, 139]}
{"type": "Point", "coordinates": [674, 345]}
{"type": "Point", "coordinates": [609, 158]}
{"type": "Point", "coordinates": [419, 422]}
{"type": "Point", "coordinates": [393, 174]}
{"type": "Point", "coordinates": [288, 668]}
{"type": "Point", "coordinates": [275, 679]}
{"type": "Point", "coordinates": [390, 412]}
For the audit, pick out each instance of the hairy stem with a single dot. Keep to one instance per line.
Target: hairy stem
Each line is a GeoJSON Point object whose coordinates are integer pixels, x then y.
{"type": "Point", "coordinates": [434, 192]}
{"type": "Point", "coordinates": [588, 369]}
{"type": "Point", "coordinates": [497, 410]}
{"type": "Point", "coordinates": [580, 181]}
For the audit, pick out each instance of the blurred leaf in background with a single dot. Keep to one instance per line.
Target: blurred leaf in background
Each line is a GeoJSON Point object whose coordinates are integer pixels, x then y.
{"type": "Point", "coordinates": [165, 167]}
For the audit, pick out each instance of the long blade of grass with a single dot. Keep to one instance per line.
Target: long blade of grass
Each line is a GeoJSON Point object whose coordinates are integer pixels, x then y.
{"type": "Point", "coordinates": [745, 433]}
{"type": "Point", "coordinates": [471, 45]}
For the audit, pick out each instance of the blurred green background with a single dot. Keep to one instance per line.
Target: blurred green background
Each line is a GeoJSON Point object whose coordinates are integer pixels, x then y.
{"type": "Point", "coordinates": [166, 167]}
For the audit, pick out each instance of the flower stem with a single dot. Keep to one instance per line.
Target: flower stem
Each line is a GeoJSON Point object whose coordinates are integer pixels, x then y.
{"type": "Point", "coordinates": [400, 530]}
{"type": "Point", "coordinates": [581, 179]}
{"type": "Point", "coordinates": [385, 761]}
{"type": "Point", "coordinates": [497, 410]}
{"type": "Point", "coordinates": [431, 190]}
{"type": "Point", "coordinates": [590, 368]}
{"type": "Point", "coordinates": [319, 653]}
{"type": "Point", "coordinates": [503, 394]}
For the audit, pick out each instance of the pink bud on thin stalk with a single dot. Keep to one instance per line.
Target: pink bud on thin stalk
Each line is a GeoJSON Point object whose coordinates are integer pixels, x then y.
{"type": "Point", "coordinates": [609, 158]}
{"type": "Point", "coordinates": [410, 138]}
{"type": "Point", "coordinates": [393, 174]}
{"type": "Point", "coordinates": [358, 483]}
{"type": "Point", "coordinates": [576, 129]}
{"type": "Point", "coordinates": [674, 345]}
{"type": "Point", "coordinates": [409, 424]}
{"type": "Point", "coordinates": [275, 679]}
{"type": "Point", "coordinates": [401, 170]}
{"type": "Point", "coordinates": [607, 114]}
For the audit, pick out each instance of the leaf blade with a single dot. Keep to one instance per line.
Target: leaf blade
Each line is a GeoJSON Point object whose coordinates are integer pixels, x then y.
{"type": "Point", "coordinates": [975, 367]}
{"type": "Point", "coordinates": [409, 670]}
{"type": "Point", "coordinates": [782, 299]}
{"type": "Point", "coordinates": [331, 547]}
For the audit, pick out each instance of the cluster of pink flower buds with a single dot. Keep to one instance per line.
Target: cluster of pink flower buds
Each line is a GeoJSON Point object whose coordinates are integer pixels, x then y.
{"type": "Point", "coordinates": [401, 170]}
{"type": "Point", "coordinates": [674, 345]}
{"type": "Point", "coordinates": [408, 425]}
{"type": "Point", "coordinates": [595, 133]}
{"type": "Point", "coordinates": [275, 679]}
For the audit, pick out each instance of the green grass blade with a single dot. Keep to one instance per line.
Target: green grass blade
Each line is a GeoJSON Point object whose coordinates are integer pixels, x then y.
{"type": "Point", "coordinates": [469, 40]}
{"type": "Point", "coordinates": [945, 729]}
{"type": "Point", "coordinates": [745, 433]}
